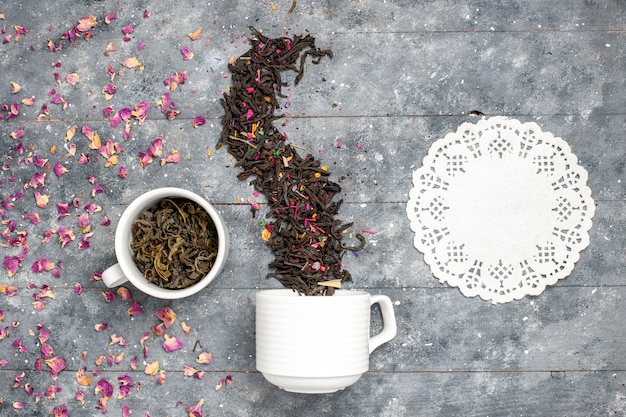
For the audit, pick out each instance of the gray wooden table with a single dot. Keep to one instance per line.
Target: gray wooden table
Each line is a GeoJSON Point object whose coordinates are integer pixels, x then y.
{"type": "Point", "coordinates": [404, 74]}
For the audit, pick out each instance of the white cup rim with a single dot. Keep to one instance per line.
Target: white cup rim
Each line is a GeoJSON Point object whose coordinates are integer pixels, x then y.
{"type": "Point", "coordinates": [124, 253]}
{"type": "Point", "coordinates": [288, 293]}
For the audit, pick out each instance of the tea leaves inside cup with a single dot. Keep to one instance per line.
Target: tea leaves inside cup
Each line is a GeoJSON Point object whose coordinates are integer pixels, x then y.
{"type": "Point", "coordinates": [174, 243]}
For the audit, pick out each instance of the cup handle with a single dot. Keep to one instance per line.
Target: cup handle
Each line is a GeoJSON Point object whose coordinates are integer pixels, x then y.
{"type": "Point", "coordinates": [113, 276]}
{"type": "Point", "coordinates": [389, 321]}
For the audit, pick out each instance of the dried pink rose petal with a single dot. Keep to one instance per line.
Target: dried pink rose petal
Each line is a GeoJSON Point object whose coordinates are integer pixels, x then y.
{"type": "Point", "coordinates": [65, 236]}
{"type": "Point", "coordinates": [152, 369]}
{"type": "Point", "coordinates": [198, 121]}
{"type": "Point", "coordinates": [17, 381]}
{"type": "Point", "coordinates": [15, 87]}
{"type": "Point", "coordinates": [224, 381]}
{"type": "Point", "coordinates": [101, 326]}
{"type": "Point", "coordinates": [109, 17]}
{"type": "Point", "coordinates": [187, 54]}
{"type": "Point", "coordinates": [45, 292]}
{"type": "Point", "coordinates": [125, 294]}
{"type": "Point", "coordinates": [133, 363]}
{"type": "Point", "coordinates": [126, 114]}
{"type": "Point", "coordinates": [196, 410]}
{"type": "Point", "coordinates": [14, 111]}
{"type": "Point", "coordinates": [156, 147]}
{"type": "Point", "coordinates": [80, 396]}
{"type": "Point", "coordinates": [43, 334]}
{"type": "Point", "coordinates": [173, 157]}
{"type": "Point", "coordinates": [132, 63]}
{"type": "Point", "coordinates": [117, 340]}
{"type": "Point", "coordinates": [83, 223]}
{"type": "Point", "coordinates": [189, 371]}
{"type": "Point", "coordinates": [19, 30]}
{"type": "Point", "coordinates": [17, 134]}
{"type": "Point", "coordinates": [115, 120]}
{"type": "Point", "coordinates": [18, 405]}
{"type": "Point", "coordinates": [167, 316]}
{"type": "Point", "coordinates": [56, 365]}
{"type": "Point", "coordinates": [41, 200]}
{"type": "Point", "coordinates": [33, 217]}
{"type": "Point", "coordinates": [63, 209]}
{"type": "Point", "coordinates": [127, 129]}
{"type": "Point", "coordinates": [19, 346]}
{"type": "Point", "coordinates": [46, 351]}
{"type": "Point", "coordinates": [108, 111]}
{"type": "Point", "coordinates": [164, 101]}
{"type": "Point", "coordinates": [86, 23]}
{"type": "Point", "coordinates": [59, 411]}
{"type": "Point", "coordinates": [172, 343]}
{"type": "Point", "coordinates": [102, 404]}
{"type": "Point", "coordinates": [185, 327]}
{"type": "Point", "coordinates": [8, 290]}
{"type": "Point", "coordinates": [109, 296]}
{"type": "Point", "coordinates": [59, 169]}
{"type": "Point", "coordinates": [141, 111]}
{"type": "Point", "coordinates": [42, 265]}
{"type": "Point", "coordinates": [103, 386]}
{"type": "Point", "coordinates": [109, 90]}
{"type": "Point", "coordinates": [92, 208]}
{"type": "Point", "coordinates": [78, 289]}
{"type": "Point", "coordinates": [97, 189]}
{"type": "Point", "coordinates": [135, 309]}
{"type": "Point", "coordinates": [72, 78]}
{"type": "Point", "coordinates": [205, 358]}
{"type": "Point", "coordinates": [158, 329]}
{"type": "Point", "coordinates": [82, 378]}
{"type": "Point", "coordinates": [84, 242]}
{"type": "Point", "coordinates": [161, 377]}
{"type": "Point", "coordinates": [51, 392]}
{"type": "Point", "coordinates": [145, 159]}
{"type": "Point", "coordinates": [177, 79]}
{"type": "Point", "coordinates": [39, 305]}
{"type": "Point", "coordinates": [29, 390]}
{"type": "Point", "coordinates": [11, 264]}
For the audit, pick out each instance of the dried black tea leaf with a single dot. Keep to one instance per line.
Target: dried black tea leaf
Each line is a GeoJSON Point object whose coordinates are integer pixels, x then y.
{"type": "Point", "coordinates": [174, 243]}
{"type": "Point", "coordinates": [304, 236]}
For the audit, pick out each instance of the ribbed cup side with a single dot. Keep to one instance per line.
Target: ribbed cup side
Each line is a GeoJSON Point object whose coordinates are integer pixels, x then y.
{"type": "Point", "coordinates": [312, 336]}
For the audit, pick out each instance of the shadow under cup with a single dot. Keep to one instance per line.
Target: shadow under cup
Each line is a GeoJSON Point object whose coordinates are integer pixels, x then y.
{"type": "Point", "coordinates": [126, 269]}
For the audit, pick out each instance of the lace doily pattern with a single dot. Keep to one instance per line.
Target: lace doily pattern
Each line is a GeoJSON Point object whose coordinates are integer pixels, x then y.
{"type": "Point", "coordinates": [500, 209]}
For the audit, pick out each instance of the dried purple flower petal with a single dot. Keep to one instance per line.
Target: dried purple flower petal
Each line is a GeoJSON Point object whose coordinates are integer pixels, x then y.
{"type": "Point", "coordinates": [135, 309]}
{"type": "Point", "coordinates": [59, 169]}
{"type": "Point", "coordinates": [56, 365]}
{"type": "Point", "coordinates": [198, 121]}
{"type": "Point", "coordinates": [172, 343]}
{"type": "Point", "coordinates": [103, 386]}
{"type": "Point", "coordinates": [187, 54]}
{"type": "Point", "coordinates": [196, 410]}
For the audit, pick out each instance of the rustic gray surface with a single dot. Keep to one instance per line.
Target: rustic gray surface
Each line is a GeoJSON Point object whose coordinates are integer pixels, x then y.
{"type": "Point", "coordinates": [404, 74]}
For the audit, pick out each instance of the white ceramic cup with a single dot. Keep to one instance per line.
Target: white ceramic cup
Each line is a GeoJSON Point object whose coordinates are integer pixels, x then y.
{"type": "Point", "coordinates": [317, 344]}
{"type": "Point", "coordinates": [126, 270]}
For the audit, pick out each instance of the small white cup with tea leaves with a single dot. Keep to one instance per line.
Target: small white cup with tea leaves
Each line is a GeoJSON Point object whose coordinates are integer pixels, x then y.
{"type": "Point", "coordinates": [125, 270]}
{"type": "Point", "coordinates": [318, 344]}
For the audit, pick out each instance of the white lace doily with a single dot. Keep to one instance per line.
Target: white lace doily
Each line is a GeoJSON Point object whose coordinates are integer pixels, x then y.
{"type": "Point", "coordinates": [500, 209]}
